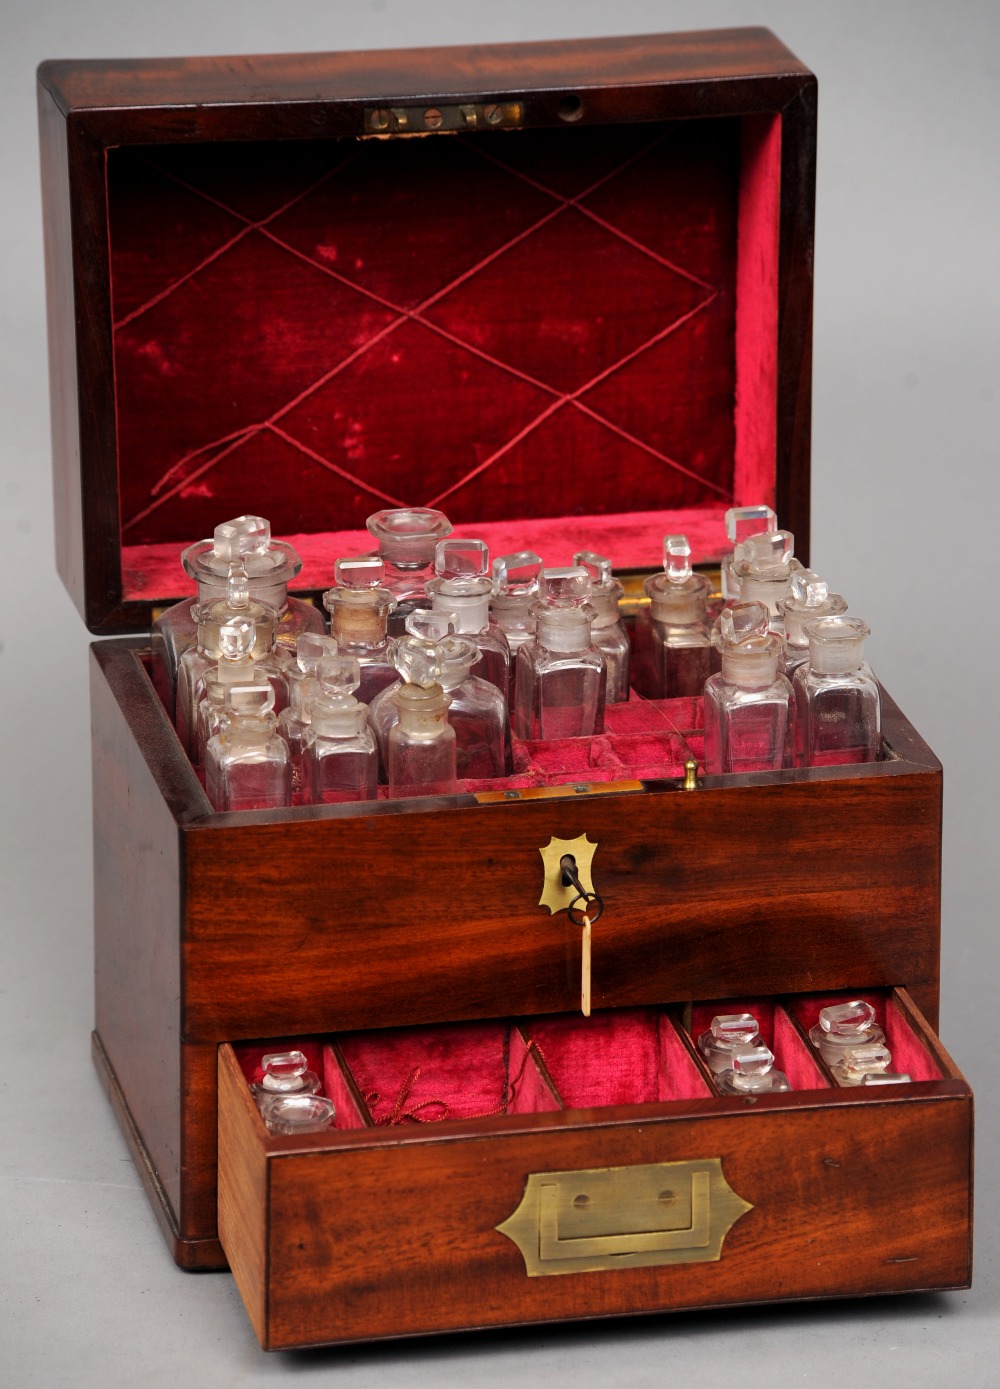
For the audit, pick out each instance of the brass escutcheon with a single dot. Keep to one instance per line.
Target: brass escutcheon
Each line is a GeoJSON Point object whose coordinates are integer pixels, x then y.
{"type": "Point", "coordinates": [556, 894]}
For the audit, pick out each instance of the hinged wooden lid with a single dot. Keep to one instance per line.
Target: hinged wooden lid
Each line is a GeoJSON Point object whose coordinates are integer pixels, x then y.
{"type": "Point", "coordinates": [575, 313]}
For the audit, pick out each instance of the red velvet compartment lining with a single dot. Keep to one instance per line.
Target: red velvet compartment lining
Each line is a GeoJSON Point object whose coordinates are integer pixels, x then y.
{"type": "Point", "coordinates": [458, 1071]}
{"type": "Point", "coordinates": [909, 1055]}
{"type": "Point", "coordinates": [791, 1054]}
{"type": "Point", "coordinates": [505, 325]}
{"type": "Point", "coordinates": [630, 1056]}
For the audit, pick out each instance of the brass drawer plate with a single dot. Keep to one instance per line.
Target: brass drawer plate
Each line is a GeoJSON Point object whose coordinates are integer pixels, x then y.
{"type": "Point", "coordinates": [624, 1217]}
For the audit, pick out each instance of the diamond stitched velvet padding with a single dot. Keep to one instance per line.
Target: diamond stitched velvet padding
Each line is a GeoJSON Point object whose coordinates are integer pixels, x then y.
{"type": "Point", "coordinates": [508, 325]}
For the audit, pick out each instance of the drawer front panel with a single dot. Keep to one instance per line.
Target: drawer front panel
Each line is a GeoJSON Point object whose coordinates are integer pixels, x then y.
{"type": "Point", "coordinates": [443, 907]}
{"type": "Point", "coordinates": [405, 1240]}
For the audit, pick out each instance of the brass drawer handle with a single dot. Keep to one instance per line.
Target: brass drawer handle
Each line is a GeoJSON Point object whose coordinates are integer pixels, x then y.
{"type": "Point", "coordinates": [623, 1217]}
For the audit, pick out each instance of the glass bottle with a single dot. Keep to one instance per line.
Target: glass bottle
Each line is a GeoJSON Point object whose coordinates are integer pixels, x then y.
{"type": "Point", "coordinates": [340, 759]}
{"type": "Point", "coordinates": [809, 598]}
{"type": "Point", "coordinates": [359, 608]}
{"type": "Point", "coordinates": [462, 585]}
{"type": "Point", "coordinates": [198, 661]}
{"type": "Point", "coordinates": [421, 745]}
{"type": "Point", "coordinates": [837, 705]}
{"type": "Point", "coordinates": [247, 766]}
{"type": "Point", "coordinates": [406, 540]}
{"type": "Point", "coordinates": [866, 1064]}
{"type": "Point", "coordinates": [515, 589]}
{"type": "Point", "coordinates": [477, 710]}
{"type": "Point", "coordinates": [844, 1025]}
{"type": "Point", "coordinates": [288, 1096]}
{"type": "Point", "coordinates": [741, 523]}
{"type": "Point", "coordinates": [561, 675]}
{"type": "Point", "coordinates": [748, 703]}
{"type": "Point", "coordinates": [672, 635]}
{"type": "Point", "coordinates": [728, 1034]}
{"type": "Point", "coordinates": [270, 566]}
{"type": "Point", "coordinates": [752, 1073]}
{"type": "Point", "coordinates": [608, 632]}
{"type": "Point", "coordinates": [235, 666]}
{"type": "Point", "coordinates": [302, 674]}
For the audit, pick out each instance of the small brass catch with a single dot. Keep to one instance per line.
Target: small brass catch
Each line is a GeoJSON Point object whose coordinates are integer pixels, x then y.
{"type": "Point", "coordinates": [420, 120]}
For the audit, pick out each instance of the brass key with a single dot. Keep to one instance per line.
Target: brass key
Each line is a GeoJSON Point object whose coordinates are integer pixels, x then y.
{"type": "Point", "coordinates": [580, 916]}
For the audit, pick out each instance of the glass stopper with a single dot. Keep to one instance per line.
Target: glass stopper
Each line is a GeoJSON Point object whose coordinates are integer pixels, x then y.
{"type": "Point", "coordinates": [753, 1061]}
{"type": "Point", "coordinates": [236, 638]}
{"type": "Point", "coordinates": [285, 1065]}
{"type": "Point", "coordinates": [847, 1019]}
{"type": "Point", "coordinates": [419, 662]}
{"type": "Point", "coordinates": [677, 558]}
{"type": "Point", "coordinates": [407, 535]}
{"type": "Point", "coordinates": [427, 624]}
{"type": "Point", "coordinates": [461, 559]}
{"type": "Point", "coordinates": [359, 572]}
{"type": "Point", "coordinates": [244, 535]}
{"type": "Point", "coordinates": [517, 573]}
{"type": "Point", "coordinates": [597, 566]}
{"type": "Point", "coordinates": [743, 621]}
{"type": "Point", "coordinates": [237, 586]}
{"type": "Point", "coordinates": [249, 701]}
{"type": "Point", "coordinates": [340, 676]}
{"type": "Point", "coordinates": [731, 1028]}
{"type": "Point", "coordinates": [565, 588]}
{"type": "Point", "coordinates": [767, 550]}
{"type": "Point", "coordinates": [311, 650]}
{"type": "Point", "coordinates": [744, 521]}
{"type": "Point", "coordinates": [809, 589]}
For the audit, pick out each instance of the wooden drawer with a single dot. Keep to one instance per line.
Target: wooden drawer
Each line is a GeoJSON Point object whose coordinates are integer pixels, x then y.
{"type": "Point", "coordinates": [687, 1199]}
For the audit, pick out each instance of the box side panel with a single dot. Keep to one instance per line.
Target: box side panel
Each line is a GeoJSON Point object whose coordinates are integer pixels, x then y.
{"type": "Point", "coordinates": [62, 344]}
{"type": "Point", "coordinates": [403, 1239]}
{"type": "Point", "coordinates": [795, 311]}
{"type": "Point", "coordinates": [138, 881]}
{"type": "Point", "coordinates": [836, 886]}
{"type": "Point", "coordinates": [243, 1193]}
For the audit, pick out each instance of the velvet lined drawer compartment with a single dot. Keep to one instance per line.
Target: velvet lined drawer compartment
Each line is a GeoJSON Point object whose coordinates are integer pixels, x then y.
{"type": "Point", "coordinates": [595, 1187]}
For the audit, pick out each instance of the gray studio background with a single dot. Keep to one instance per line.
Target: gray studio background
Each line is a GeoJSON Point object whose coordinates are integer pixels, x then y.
{"type": "Point", "coordinates": [905, 507]}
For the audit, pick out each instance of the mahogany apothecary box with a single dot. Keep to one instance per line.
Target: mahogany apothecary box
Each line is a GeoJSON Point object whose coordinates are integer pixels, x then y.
{"type": "Point", "coordinates": [563, 292]}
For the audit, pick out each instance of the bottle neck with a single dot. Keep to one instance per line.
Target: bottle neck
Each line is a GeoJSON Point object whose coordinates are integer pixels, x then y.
{"type": "Point", "coordinates": [341, 717]}
{"type": "Point", "coordinates": [423, 711]}
{"type": "Point", "coordinates": [604, 601]}
{"type": "Point", "coordinates": [359, 617]}
{"type": "Point", "coordinates": [564, 629]}
{"type": "Point", "coordinates": [677, 605]}
{"type": "Point", "coordinates": [244, 730]}
{"type": "Point", "coordinates": [470, 604]}
{"type": "Point", "coordinates": [752, 665]}
{"type": "Point", "coordinates": [797, 614]}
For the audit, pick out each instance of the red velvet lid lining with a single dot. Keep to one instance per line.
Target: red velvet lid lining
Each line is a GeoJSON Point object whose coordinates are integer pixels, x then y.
{"type": "Point", "coordinates": [526, 329]}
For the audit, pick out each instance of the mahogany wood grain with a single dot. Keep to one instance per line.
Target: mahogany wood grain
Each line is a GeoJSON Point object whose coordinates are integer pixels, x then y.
{"type": "Point", "coordinates": [182, 964]}
{"type": "Point", "coordinates": [213, 97]}
{"type": "Point", "coordinates": [243, 1195]}
{"type": "Point", "coordinates": [383, 1233]}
